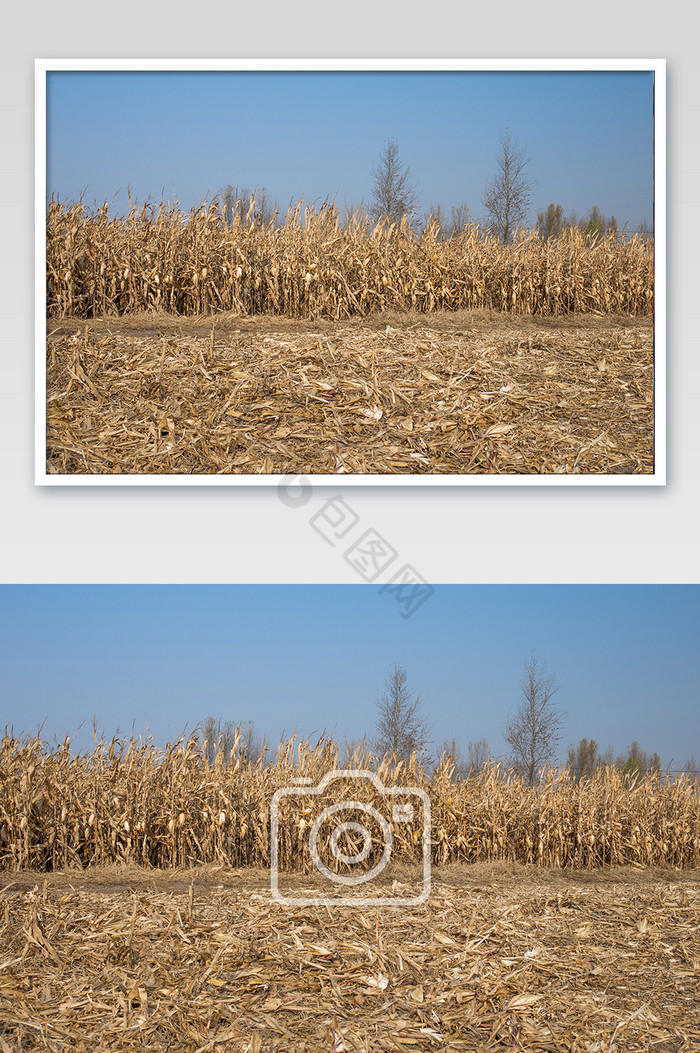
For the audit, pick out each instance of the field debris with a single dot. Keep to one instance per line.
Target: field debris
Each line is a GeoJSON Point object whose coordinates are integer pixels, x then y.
{"type": "Point", "coordinates": [471, 395]}
{"type": "Point", "coordinates": [530, 964]}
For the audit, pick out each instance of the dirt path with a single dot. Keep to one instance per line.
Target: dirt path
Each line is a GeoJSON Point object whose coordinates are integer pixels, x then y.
{"type": "Point", "coordinates": [112, 880]}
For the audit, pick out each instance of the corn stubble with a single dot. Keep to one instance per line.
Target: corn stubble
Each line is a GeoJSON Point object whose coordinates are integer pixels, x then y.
{"type": "Point", "coordinates": [131, 801]}
{"type": "Point", "coordinates": [313, 266]}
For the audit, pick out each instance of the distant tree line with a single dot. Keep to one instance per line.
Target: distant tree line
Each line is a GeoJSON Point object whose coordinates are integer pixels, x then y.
{"type": "Point", "coordinates": [395, 198]}
{"type": "Point", "coordinates": [229, 740]}
{"type": "Point", "coordinates": [583, 760]}
{"type": "Point", "coordinates": [553, 223]}
{"type": "Point", "coordinates": [402, 732]}
{"type": "Point", "coordinates": [247, 206]}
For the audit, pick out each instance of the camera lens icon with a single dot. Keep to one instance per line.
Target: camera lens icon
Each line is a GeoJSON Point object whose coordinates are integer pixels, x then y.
{"type": "Point", "coordinates": [344, 828]}
{"type": "Point", "coordinates": [348, 841]}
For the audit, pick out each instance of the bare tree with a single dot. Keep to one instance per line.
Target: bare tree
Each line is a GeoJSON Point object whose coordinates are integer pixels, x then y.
{"type": "Point", "coordinates": [691, 768]}
{"type": "Point", "coordinates": [251, 207]}
{"type": "Point", "coordinates": [596, 224]}
{"type": "Point", "coordinates": [228, 205]}
{"type": "Point", "coordinates": [478, 755]}
{"type": "Point", "coordinates": [217, 736]}
{"type": "Point", "coordinates": [252, 747]}
{"type": "Point", "coordinates": [355, 753]}
{"type": "Point", "coordinates": [436, 215]}
{"type": "Point", "coordinates": [532, 732]}
{"type": "Point", "coordinates": [401, 727]}
{"type": "Point", "coordinates": [550, 224]}
{"type": "Point", "coordinates": [610, 759]}
{"type": "Point", "coordinates": [645, 231]}
{"type": "Point", "coordinates": [507, 197]}
{"type": "Point", "coordinates": [638, 762]}
{"type": "Point", "coordinates": [582, 760]}
{"type": "Point", "coordinates": [353, 213]}
{"type": "Point", "coordinates": [461, 218]}
{"type": "Point", "coordinates": [393, 193]}
{"type": "Point", "coordinates": [224, 737]}
{"type": "Point", "coordinates": [453, 752]}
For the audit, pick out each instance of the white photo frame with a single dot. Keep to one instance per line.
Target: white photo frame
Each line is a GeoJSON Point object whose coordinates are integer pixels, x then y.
{"type": "Point", "coordinates": [656, 66]}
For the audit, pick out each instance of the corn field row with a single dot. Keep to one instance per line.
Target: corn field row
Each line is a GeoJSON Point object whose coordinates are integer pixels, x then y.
{"type": "Point", "coordinates": [132, 801]}
{"type": "Point", "coordinates": [313, 266]}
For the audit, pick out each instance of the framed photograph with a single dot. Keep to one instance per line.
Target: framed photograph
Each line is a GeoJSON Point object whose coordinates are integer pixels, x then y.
{"type": "Point", "coordinates": [489, 841]}
{"type": "Point", "coordinates": [364, 272]}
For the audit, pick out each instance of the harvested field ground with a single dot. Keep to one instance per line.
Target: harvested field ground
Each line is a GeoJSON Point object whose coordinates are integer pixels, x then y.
{"type": "Point", "coordinates": [467, 392]}
{"type": "Point", "coordinates": [502, 957]}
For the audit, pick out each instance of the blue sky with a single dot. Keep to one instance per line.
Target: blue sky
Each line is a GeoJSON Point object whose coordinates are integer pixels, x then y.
{"type": "Point", "coordinates": [185, 135]}
{"type": "Point", "coordinates": [316, 657]}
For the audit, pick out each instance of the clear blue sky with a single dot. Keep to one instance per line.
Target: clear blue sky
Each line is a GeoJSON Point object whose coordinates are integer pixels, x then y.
{"type": "Point", "coordinates": [185, 135]}
{"type": "Point", "coordinates": [316, 657]}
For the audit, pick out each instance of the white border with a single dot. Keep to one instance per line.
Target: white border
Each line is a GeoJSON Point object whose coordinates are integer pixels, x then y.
{"type": "Point", "coordinates": [657, 66]}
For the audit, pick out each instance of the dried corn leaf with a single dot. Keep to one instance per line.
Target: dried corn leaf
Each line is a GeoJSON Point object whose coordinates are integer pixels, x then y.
{"type": "Point", "coordinates": [122, 400]}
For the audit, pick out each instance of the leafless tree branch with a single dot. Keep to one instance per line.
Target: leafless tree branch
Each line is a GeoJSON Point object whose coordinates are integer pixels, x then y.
{"type": "Point", "coordinates": [532, 732]}
{"type": "Point", "coordinates": [509, 194]}
{"type": "Point", "coordinates": [401, 728]}
{"type": "Point", "coordinates": [393, 193]}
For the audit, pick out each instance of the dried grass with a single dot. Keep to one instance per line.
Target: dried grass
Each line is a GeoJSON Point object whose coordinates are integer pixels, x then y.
{"type": "Point", "coordinates": [133, 802]}
{"type": "Point", "coordinates": [468, 394]}
{"type": "Point", "coordinates": [526, 965]}
{"type": "Point", "coordinates": [312, 266]}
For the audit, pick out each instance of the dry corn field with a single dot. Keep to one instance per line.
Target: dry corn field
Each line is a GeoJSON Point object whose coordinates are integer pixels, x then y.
{"type": "Point", "coordinates": [319, 348]}
{"type": "Point", "coordinates": [107, 952]}
{"type": "Point", "coordinates": [133, 802]}
{"type": "Point", "coordinates": [313, 266]}
{"type": "Point", "coordinates": [466, 394]}
{"type": "Point", "coordinates": [500, 959]}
